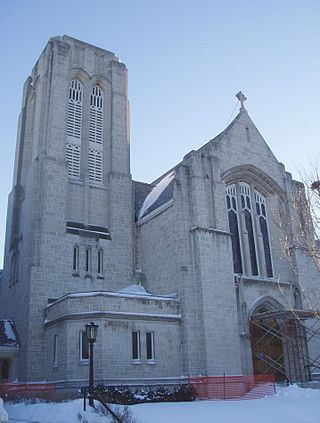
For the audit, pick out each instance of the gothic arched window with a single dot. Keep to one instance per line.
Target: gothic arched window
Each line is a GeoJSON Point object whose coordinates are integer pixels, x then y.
{"type": "Point", "coordinates": [96, 135]}
{"type": "Point", "coordinates": [74, 123]}
{"type": "Point", "coordinates": [262, 217]}
{"type": "Point", "coordinates": [234, 227]}
{"type": "Point", "coordinates": [245, 198]}
{"type": "Point", "coordinates": [248, 225]}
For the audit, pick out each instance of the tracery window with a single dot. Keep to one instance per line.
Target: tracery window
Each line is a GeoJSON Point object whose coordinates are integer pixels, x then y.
{"type": "Point", "coordinates": [248, 225]}
{"type": "Point", "coordinates": [96, 135]}
{"type": "Point", "coordinates": [74, 124]}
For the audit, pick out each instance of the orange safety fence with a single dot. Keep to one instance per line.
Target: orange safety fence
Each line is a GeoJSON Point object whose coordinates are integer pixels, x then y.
{"type": "Point", "coordinates": [16, 387]}
{"type": "Point", "coordinates": [233, 387]}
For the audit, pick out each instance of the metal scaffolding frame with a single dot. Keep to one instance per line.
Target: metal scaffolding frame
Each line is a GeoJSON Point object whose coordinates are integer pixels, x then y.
{"type": "Point", "coordinates": [295, 328]}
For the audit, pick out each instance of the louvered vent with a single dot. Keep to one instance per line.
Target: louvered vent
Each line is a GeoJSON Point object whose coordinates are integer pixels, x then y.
{"type": "Point", "coordinates": [96, 115]}
{"type": "Point", "coordinates": [96, 135]}
{"type": "Point", "coordinates": [95, 165]}
{"type": "Point", "coordinates": [74, 123]}
{"type": "Point", "coordinates": [74, 110]}
{"type": "Point", "coordinates": [73, 159]}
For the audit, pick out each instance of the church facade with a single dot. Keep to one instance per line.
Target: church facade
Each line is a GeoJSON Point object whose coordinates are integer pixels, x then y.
{"type": "Point", "coordinates": [172, 272]}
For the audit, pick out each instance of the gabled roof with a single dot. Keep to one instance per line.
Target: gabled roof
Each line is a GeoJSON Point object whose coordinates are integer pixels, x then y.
{"type": "Point", "coordinates": [8, 336]}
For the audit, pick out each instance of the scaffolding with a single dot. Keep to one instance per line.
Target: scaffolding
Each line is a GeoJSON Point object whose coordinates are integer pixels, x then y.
{"type": "Point", "coordinates": [299, 331]}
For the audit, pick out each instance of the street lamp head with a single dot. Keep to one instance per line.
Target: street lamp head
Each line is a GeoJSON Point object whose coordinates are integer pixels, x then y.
{"type": "Point", "coordinates": [91, 332]}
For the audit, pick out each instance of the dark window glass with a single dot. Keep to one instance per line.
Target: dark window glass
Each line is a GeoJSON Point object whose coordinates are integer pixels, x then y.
{"type": "Point", "coordinates": [136, 345]}
{"type": "Point", "coordinates": [75, 257]}
{"type": "Point", "coordinates": [242, 202]}
{"type": "Point", "coordinates": [258, 208]}
{"type": "Point", "coordinates": [266, 245]}
{"type": "Point", "coordinates": [263, 209]}
{"type": "Point", "coordinates": [252, 250]}
{"type": "Point", "coordinates": [88, 260]}
{"type": "Point", "coordinates": [100, 262]}
{"type": "Point", "coordinates": [228, 202]}
{"type": "Point", "coordinates": [149, 345]}
{"type": "Point", "coordinates": [248, 203]}
{"type": "Point", "coordinates": [236, 251]}
{"type": "Point", "coordinates": [4, 369]}
{"type": "Point", "coordinates": [84, 346]}
{"type": "Point", "coordinates": [234, 205]}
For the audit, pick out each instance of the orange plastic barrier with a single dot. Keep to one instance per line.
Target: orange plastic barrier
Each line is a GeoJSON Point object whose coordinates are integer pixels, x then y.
{"type": "Point", "coordinates": [233, 387]}
{"type": "Point", "coordinates": [10, 387]}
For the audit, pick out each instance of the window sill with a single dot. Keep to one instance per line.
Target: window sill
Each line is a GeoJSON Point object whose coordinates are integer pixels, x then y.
{"type": "Point", "coordinates": [136, 362]}
{"type": "Point", "coordinates": [55, 366]}
{"type": "Point", "coordinates": [100, 277]}
{"type": "Point", "coordinates": [152, 362]}
{"type": "Point", "coordinates": [76, 274]}
{"type": "Point", "coordinates": [88, 276]}
{"type": "Point", "coordinates": [84, 362]}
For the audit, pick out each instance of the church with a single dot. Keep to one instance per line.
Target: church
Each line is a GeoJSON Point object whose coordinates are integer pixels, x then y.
{"type": "Point", "coordinates": [186, 276]}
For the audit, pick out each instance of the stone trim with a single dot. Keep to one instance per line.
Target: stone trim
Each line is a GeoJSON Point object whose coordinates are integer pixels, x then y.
{"type": "Point", "coordinates": [112, 315]}
{"type": "Point", "coordinates": [212, 231]}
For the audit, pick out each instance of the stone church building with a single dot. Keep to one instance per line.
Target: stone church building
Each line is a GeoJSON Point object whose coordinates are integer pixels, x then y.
{"type": "Point", "coordinates": [173, 272]}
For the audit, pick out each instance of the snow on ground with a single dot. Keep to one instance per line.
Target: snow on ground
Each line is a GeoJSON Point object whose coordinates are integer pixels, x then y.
{"type": "Point", "coordinates": [291, 404]}
{"type": "Point", "coordinates": [3, 413]}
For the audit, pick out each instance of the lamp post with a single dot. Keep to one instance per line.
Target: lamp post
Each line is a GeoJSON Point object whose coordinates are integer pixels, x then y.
{"type": "Point", "coordinates": [91, 333]}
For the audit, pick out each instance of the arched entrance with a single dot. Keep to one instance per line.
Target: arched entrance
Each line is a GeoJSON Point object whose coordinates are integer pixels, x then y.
{"type": "Point", "coordinates": [266, 344]}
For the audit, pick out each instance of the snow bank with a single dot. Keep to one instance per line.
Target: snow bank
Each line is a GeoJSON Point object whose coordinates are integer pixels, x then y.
{"type": "Point", "coordinates": [292, 404]}
{"type": "Point", "coordinates": [3, 413]}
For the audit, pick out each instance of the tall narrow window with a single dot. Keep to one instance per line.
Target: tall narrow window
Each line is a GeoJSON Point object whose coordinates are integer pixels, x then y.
{"type": "Point", "coordinates": [262, 216]}
{"type": "Point", "coordinates": [234, 227]}
{"type": "Point", "coordinates": [88, 260]}
{"type": "Point", "coordinates": [150, 345]}
{"type": "Point", "coordinates": [96, 135]}
{"type": "Point", "coordinates": [246, 207]}
{"type": "Point", "coordinates": [83, 346]}
{"type": "Point", "coordinates": [136, 345]}
{"type": "Point", "coordinates": [74, 123]}
{"type": "Point", "coordinates": [248, 224]}
{"type": "Point", "coordinates": [75, 259]}
{"type": "Point", "coordinates": [100, 261]}
{"type": "Point", "coordinates": [55, 351]}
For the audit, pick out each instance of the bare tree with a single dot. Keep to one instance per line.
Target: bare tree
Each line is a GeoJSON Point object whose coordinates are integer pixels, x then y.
{"type": "Point", "coordinates": [303, 234]}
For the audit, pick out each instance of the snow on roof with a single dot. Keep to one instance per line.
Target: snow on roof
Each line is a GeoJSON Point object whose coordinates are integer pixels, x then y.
{"type": "Point", "coordinates": [134, 289]}
{"type": "Point", "coordinates": [8, 336]}
{"type": "Point", "coordinates": [155, 193]}
{"type": "Point", "coordinates": [123, 293]}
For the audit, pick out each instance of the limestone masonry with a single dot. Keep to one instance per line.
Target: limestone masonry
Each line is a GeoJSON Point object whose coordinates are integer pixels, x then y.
{"type": "Point", "coordinates": [174, 272]}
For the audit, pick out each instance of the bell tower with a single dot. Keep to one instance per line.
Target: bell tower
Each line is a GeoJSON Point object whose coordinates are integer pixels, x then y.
{"type": "Point", "coordinates": [69, 226]}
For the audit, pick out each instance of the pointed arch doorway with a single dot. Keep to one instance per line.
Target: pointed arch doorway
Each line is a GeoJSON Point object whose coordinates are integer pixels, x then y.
{"type": "Point", "coordinates": [267, 342]}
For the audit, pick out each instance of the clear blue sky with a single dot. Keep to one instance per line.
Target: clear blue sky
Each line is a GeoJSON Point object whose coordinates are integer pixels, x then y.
{"type": "Point", "coordinates": [186, 59]}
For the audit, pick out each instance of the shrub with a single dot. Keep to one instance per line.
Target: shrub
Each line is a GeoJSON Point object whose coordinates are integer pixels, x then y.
{"type": "Point", "coordinates": [122, 394]}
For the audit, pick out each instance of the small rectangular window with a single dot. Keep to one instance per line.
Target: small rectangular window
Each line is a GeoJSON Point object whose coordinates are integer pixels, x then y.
{"type": "Point", "coordinates": [55, 351]}
{"type": "Point", "coordinates": [100, 262]}
{"type": "Point", "coordinates": [84, 347]}
{"type": "Point", "coordinates": [75, 262]}
{"type": "Point", "coordinates": [136, 345]}
{"type": "Point", "coordinates": [88, 260]}
{"type": "Point", "coordinates": [150, 345]}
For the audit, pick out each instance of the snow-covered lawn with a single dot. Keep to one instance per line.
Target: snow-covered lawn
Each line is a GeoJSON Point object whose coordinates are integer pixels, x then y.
{"type": "Point", "coordinates": [292, 404]}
